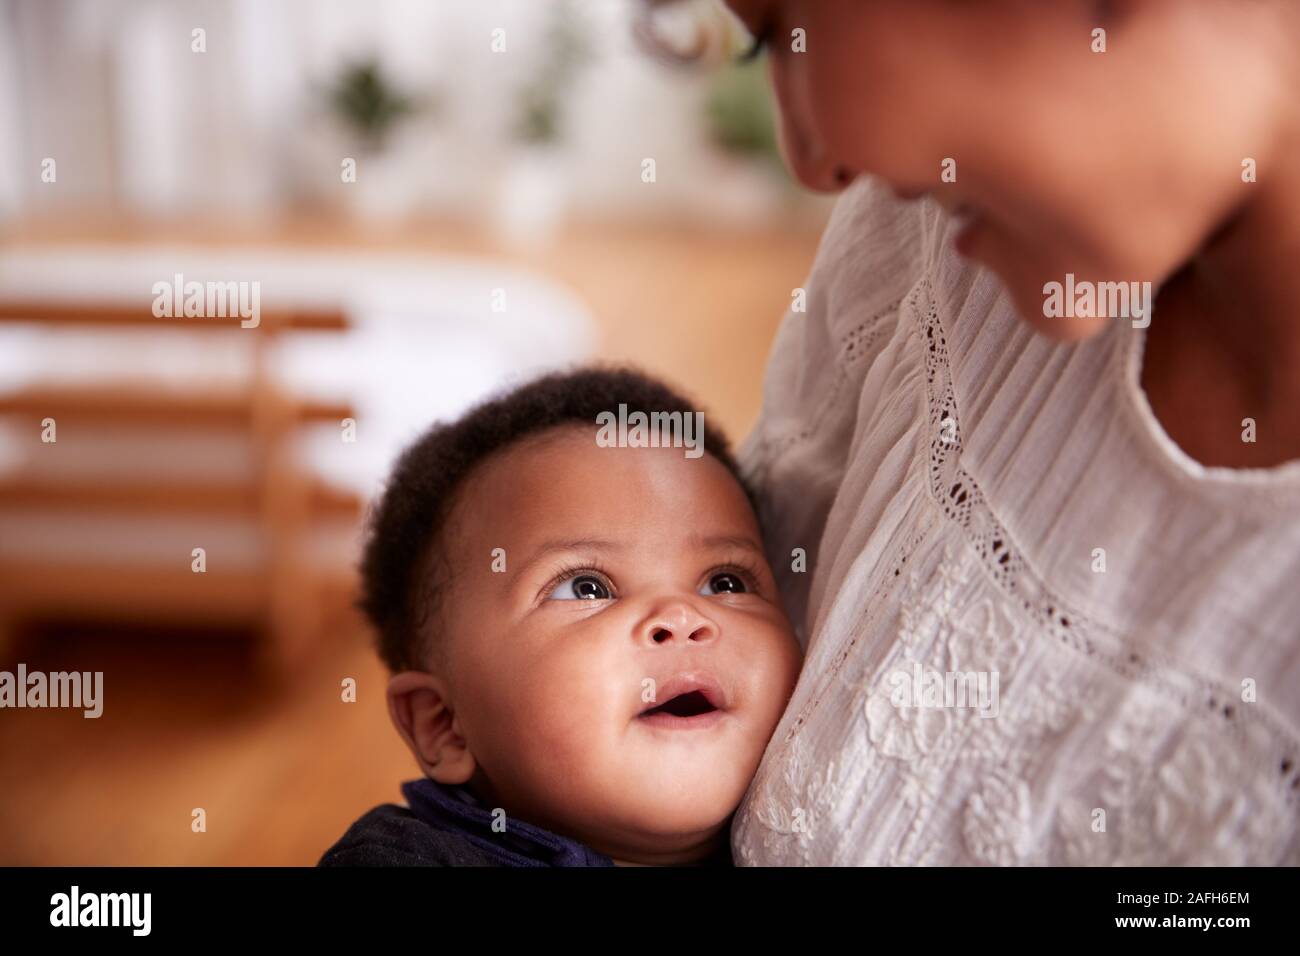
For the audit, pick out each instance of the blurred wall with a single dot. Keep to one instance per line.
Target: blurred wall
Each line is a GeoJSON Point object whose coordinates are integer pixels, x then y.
{"type": "Point", "coordinates": [138, 121]}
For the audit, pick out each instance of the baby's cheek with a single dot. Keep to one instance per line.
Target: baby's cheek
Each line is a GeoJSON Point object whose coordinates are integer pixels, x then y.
{"type": "Point", "coordinates": [574, 764]}
{"type": "Point", "coordinates": [569, 716]}
{"type": "Point", "coordinates": [775, 668]}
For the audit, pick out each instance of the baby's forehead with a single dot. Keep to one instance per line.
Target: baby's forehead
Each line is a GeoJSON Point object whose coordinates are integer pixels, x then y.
{"type": "Point", "coordinates": [562, 484]}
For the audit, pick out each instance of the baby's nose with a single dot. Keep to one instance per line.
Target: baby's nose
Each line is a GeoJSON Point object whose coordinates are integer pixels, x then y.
{"type": "Point", "coordinates": [677, 621]}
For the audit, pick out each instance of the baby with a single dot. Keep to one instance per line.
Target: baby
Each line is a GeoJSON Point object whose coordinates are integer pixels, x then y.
{"type": "Point", "coordinates": [588, 651]}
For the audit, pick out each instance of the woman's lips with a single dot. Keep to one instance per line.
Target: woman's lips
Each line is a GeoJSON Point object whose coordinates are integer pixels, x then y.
{"type": "Point", "coordinates": [908, 192]}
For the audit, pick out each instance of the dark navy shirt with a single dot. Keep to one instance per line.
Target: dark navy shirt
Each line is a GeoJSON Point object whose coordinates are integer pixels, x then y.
{"type": "Point", "coordinates": [446, 825]}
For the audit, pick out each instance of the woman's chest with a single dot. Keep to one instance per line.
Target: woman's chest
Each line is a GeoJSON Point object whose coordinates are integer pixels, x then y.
{"type": "Point", "coordinates": [953, 712]}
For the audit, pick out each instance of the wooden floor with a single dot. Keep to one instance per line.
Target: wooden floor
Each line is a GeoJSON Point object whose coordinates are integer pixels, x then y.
{"type": "Point", "coordinates": [282, 769]}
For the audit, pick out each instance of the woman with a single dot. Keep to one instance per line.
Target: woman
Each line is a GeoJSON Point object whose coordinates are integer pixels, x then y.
{"type": "Point", "coordinates": [1051, 514]}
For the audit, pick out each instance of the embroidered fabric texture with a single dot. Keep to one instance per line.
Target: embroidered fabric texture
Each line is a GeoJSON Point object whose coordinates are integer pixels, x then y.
{"type": "Point", "coordinates": [966, 521]}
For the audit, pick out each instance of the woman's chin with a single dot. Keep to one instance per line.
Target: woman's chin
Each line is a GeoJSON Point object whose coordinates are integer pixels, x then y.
{"type": "Point", "coordinates": [1029, 284]}
{"type": "Point", "coordinates": [1029, 301]}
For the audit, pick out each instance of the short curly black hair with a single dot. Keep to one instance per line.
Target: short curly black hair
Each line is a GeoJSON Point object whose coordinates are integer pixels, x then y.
{"type": "Point", "coordinates": [400, 584]}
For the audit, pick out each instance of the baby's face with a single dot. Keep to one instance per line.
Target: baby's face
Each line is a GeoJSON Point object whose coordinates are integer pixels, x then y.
{"type": "Point", "coordinates": [631, 574]}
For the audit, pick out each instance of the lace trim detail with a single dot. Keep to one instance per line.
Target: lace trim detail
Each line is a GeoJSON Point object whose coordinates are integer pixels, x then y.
{"type": "Point", "coordinates": [959, 497]}
{"type": "Point", "coordinates": [790, 827]}
{"type": "Point", "coordinates": [837, 662]}
{"type": "Point", "coordinates": [1218, 784]}
{"type": "Point", "coordinates": [855, 346]}
{"type": "Point", "coordinates": [862, 342]}
{"type": "Point", "coordinates": [1168, 790]}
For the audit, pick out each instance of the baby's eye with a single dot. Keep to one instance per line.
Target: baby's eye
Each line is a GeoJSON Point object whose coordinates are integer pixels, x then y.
{"type": "Point", "coordinates": [724, 582]}
{"type": "Point", "coordinates": [581, 587]}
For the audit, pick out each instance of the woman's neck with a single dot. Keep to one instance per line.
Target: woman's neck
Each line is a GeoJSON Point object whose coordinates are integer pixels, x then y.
{"type": "Point", "coordinates": [1224, 342]}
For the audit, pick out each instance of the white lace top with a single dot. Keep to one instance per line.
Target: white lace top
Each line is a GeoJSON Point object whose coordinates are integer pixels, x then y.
{"type": "Point", "coordinates": [976, 500]}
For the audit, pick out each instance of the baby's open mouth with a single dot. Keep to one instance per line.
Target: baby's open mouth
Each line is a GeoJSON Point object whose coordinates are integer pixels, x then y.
{"type": "Point", "coordinates": [683, 705]}
{"type": "Point", "coordinates": [689, 701]}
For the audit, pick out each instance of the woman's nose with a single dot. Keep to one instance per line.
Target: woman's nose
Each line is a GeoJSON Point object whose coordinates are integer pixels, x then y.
{"type": "Point", "coordinates": [809, 163]}
{"type": "Point", "coordinates": [677, 621]}
{"type": "Point", "coordinates": [804, 152]}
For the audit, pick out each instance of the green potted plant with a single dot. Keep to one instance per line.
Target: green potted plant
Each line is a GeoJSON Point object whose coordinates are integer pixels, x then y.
{"type": "Point", "coordinates": [367, 103]}
{"type": "Point", "coordinates": [370, 112]}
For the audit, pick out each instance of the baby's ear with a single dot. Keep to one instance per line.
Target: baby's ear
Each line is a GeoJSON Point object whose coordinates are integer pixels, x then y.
{"type": "Point", "coordinates": [421, 710]}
